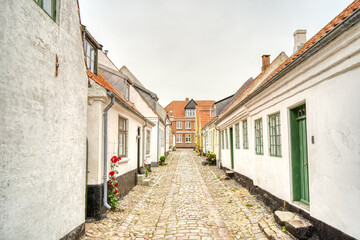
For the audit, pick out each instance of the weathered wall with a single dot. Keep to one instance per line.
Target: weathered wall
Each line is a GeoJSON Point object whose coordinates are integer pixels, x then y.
{"type": "Point", "coordinates": [328, 83]}
{"type": "Point", "coordinates": [42, 122]}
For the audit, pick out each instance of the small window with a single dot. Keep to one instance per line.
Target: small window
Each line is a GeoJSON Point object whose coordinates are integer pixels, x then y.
{"type": "Point", "coordinates": [179, 138]}
{"type": "Point", "coordinates": [259, 137]}
{"type": "Point", "coordinates": [178, 125]}
{"type": "Point", "coordinates": [187, 125]}
{"type": "Point", "coordinates": [274, 135]}
{"type": "Point", "coordinates": [148, 137]}
{"type": "Point", "coordinates": [122, 141]}
{"type": "Point", "coordinates": [127, 91]}
{"type": "Point", "coordinates": [245, 135]}
{"type": "Point", "coordinates": [188, 138]}
{"type": "Point", "coordinates": [91, 55]}
{"type": "Point", "coordinates": [49, 6]}
{"type": "Point", "coordinates": [237, 136]}
{"type": "Point", "coordinates": [227, 141]}
{"type": "Point", "coordinates": [190, 113]}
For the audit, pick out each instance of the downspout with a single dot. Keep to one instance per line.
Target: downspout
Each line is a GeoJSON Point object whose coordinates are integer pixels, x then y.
{"type": "Point", "coordinates": [219, 146]}
{"type": "Point", "coordinates": [105, 148]}
{"type": "Point", "coordinates": [143, 148]}
{"type": "Point", "coordinates": [165, 139]}
{"type": "Point", "coordinates": [158, 140]}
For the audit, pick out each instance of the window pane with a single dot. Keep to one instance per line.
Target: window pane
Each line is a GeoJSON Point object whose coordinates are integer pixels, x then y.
{"type": "Point", "coordinates": [48, 6]}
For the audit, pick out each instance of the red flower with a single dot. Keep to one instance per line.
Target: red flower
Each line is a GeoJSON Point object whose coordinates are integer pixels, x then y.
{"type": "Point", "coordinates": [119, 158]}
{"type": "Point", "coordinates": [114, 159]}
{"type": "Point", "coordinates": [116, 184]}
{"type": "Point", "coordinates": [113, 179]}
{"type": "Point", "coordinates": [110, 185]}
{"type": "Point", "coordinates": [112, 173]}
{"type": "Point", "coordinates": [115, 191]}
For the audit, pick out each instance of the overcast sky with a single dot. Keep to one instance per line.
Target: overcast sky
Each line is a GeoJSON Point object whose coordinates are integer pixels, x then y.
{"type": "Point", "coordinates": [201, 49]}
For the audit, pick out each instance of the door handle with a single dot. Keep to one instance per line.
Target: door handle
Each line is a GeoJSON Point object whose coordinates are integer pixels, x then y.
{"type": "Point", "coordinates": [305, 164]}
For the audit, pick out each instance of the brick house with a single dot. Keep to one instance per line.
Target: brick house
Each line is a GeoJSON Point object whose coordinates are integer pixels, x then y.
{"type": "Point", "coordinates": [182, 116]}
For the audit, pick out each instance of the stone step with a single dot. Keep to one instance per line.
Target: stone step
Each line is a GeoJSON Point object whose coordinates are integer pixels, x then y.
{"type": "Point", "coordinates": [146, 182]}
{"type": "Point", "coordinates": [229, 173]}
{"type": "Point", "coordinates": [294, 224]}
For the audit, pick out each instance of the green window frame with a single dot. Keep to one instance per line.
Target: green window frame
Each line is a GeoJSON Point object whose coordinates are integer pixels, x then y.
{"type": "Point", "coordinates": [91, 56]}
{"type": "Point", "coordinates": [237, 136]}
{"type": "Point", "coordinates": [49, 6]}
{"type": "Point", "coordinates": [227, 141]}
{"type": "Point", "coordinates": [274, 135]}
{"type": "Point", "coordinates": [259, 144]}
{"type": "Point", "coordinates": [123, 137]}
{"type": "Point", "coordinates": [245, 135]}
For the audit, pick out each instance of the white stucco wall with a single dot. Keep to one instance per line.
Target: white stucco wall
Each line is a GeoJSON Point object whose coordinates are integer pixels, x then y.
{"type": "Point", "coordinates": [328, 83]}
{"type": "Point", "coordinates": [97, 103]}
{"type": "Point", "coordinates": [43, 121]}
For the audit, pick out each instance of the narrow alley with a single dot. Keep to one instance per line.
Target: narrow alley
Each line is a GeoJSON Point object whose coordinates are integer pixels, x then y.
{"type": "Point", "coordinates": [186, 200]}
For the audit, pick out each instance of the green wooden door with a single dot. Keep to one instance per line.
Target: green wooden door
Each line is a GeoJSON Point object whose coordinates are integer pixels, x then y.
{"type": "Point", "coordinates": [232, 148]}
{"type": "Point", "coordinates": [300, 170]}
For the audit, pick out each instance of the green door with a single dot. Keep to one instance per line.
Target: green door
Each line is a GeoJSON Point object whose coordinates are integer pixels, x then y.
{"type": "Point", "coordinates": [232, 148]}
{"type": "Point", "coordinates": [300, 170]}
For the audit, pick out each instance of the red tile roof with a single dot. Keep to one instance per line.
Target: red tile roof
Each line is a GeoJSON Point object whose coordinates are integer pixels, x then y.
{"type": "Point", "coordinates": [178, 107]}
{"type": "Point", "coordinates": [331, 25]}
{"type": "Point", "coordinates": [101, 80]}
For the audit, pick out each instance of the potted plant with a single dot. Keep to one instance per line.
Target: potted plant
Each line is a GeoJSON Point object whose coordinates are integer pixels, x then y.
{"type": "Point", "coordinates": [162, 160]}
{"type": "Point", "coordinates": [211, 158]}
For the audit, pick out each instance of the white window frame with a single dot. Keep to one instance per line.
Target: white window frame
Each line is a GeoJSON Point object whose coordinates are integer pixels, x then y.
{"type": "Point", "coordinates": [179, 138]}
{"type": "Point", "coordinates": [190, 113]}
{"type": "Point", "coordinates": [179, 125]}
{"type": "Point", "coordinates": [188, 125]}
{"type": "Point", "coordinates": [187, 138]}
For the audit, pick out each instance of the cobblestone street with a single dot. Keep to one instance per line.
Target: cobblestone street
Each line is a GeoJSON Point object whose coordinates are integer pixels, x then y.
{"type": "Point", "coordinates": [186, 200]}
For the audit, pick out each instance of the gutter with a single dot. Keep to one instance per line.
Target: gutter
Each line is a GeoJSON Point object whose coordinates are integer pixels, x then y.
{"type": "Point", "coordinates": [158, 140]}
{"type": "Point", "coordinates": [143, 146]}
{"type": "Point", "coordinates": [346, 24]}
{"type": "Point", "coordinates": [127, 106]}
{"type": "Point", "coordinates": [105, 147]}
{"type": "Point", "coordinates": [219, 147]}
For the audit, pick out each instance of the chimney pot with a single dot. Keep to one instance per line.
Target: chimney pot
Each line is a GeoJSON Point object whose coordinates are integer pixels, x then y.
{"type": "Point", "coordinates": [265, 62]}
{"type": "Point", "coordinates": [299, 39]}
{"type": "Point", "coordinates": [186, 99]}
{"type": "Point", "coordinates": [106, 52]}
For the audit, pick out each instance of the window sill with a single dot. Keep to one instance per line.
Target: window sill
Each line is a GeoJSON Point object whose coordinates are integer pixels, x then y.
{"type": "Point", "coordinates": [123, 160]}
{"type": "Point", "coordinates": [148, 155]}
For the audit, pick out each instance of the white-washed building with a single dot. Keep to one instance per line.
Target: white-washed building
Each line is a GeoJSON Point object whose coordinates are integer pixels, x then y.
{"type": "Point", "coordinates": [294, 136]}
{"type": "Point", "coordinates": [43, 121]}
{"type": "Point", "coordinates": [159, 134]}
{"type": "Point", "coordinates": [116, 127]}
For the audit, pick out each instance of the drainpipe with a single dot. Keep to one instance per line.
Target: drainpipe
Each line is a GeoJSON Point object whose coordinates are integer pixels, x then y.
{"type": "Point", "coordinates": [105, 147]}
{"type": "Point", "coordinates": [219, 146]}
{"type": "Point", "coordinates": [158, 140]}
{"type": "Point", "coordinates": [144, 140]}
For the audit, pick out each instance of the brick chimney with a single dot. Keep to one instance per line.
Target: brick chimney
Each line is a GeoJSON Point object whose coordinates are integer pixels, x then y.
{"type": "Point", "coordinates": [187, 99]}
{"type": "Point", "coordinates": [299, 39]}
{"type": "Point", "coordinates": [265, 62]}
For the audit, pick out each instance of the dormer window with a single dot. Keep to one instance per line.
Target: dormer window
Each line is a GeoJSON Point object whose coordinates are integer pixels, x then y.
{"type": "Point", "coordinates": [127, 91]}
{"type": "Point", "coordinates": [190, 113]}
{"type": "Point", "coordinates": [91, 56]}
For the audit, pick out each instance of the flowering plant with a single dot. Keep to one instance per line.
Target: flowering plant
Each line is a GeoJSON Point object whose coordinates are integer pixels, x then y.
{"type": "Point", "coordinates": [146, 170]}
{"type": "Point", "coordinates": [113, 192]}
{"type": "Point", "coordinates": [210, 157]}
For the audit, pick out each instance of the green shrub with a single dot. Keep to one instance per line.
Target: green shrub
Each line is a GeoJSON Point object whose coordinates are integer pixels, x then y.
{"type": "Point", "coordinates": [162, 158]}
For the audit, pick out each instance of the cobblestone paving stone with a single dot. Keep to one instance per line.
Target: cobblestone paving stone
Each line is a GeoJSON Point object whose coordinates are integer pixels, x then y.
{"type": "Point", "coordinates": [186, 200]}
